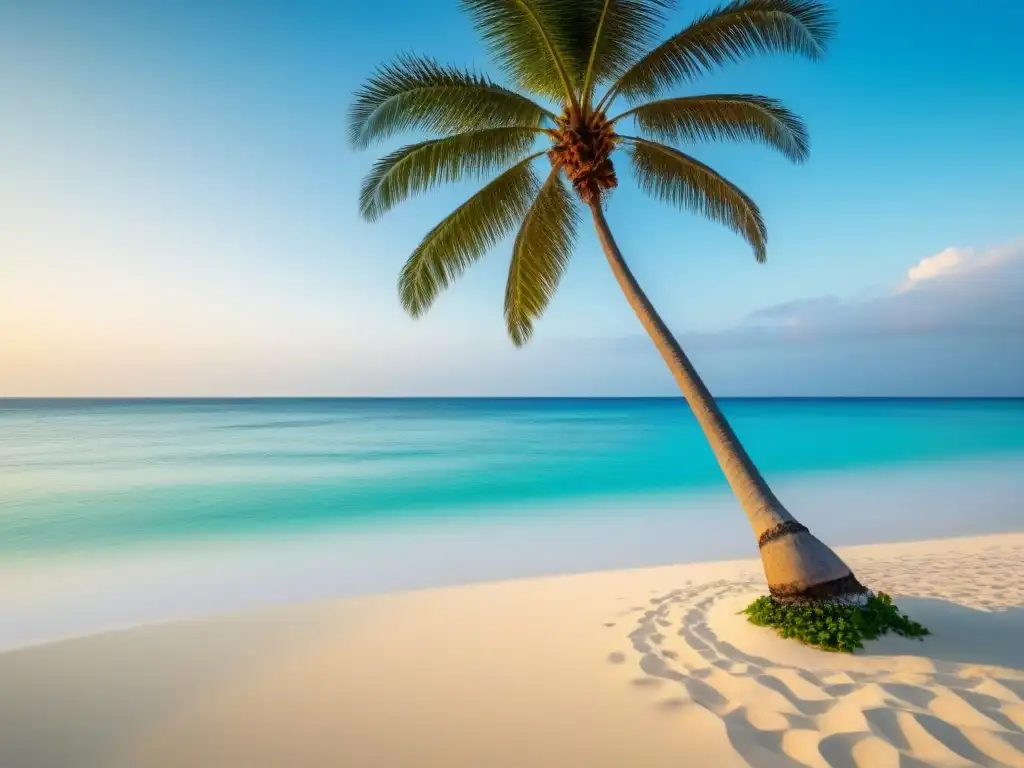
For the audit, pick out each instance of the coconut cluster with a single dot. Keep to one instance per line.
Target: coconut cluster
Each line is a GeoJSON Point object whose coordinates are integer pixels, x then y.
{"type": "Point", "coordinates": [583, 147]}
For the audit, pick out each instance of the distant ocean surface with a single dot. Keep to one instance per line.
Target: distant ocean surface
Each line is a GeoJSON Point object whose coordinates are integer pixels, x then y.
{"type": "Point", "coordinates": [114, 513]}
{"type": "Point", "coordinates": [93, 474]}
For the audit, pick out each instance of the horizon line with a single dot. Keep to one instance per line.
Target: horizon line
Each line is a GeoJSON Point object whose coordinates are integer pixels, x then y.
{"type": "Point", "coordinates": [293, 398]}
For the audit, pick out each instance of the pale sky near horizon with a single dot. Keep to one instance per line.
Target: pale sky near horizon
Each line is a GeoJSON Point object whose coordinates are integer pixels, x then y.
{"type": "Point", "coordinates": [178, 216]}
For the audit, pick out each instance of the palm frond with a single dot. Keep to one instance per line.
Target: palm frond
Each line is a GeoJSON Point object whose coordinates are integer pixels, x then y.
{"type": "Point", "coordinates": [729, 33]}
{"type": "Point", "coordinates": [418, 167]}
{"type": "Point", "coordinates": [615, 33]}
{"type": "Point", "coordinates": [418, 93]}
{"type": "Point", "coordinates": [677, 178]}
{"type": "Point", "coordinates": [539, 257]}
{"type": "Point", "coordinates": [465, 235]}
{"type": "Point", "coordinates": [728, 117]}
{"type": "Point", "coordinates": [531, 41]}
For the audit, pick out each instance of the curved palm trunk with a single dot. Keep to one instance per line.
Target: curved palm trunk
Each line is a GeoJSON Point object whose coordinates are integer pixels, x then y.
{"type": "Point", "coordinates": [797, 565]}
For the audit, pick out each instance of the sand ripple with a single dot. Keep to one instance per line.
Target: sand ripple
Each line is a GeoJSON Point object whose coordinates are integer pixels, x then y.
{"type": "Point", "coordinates": [954, 699]}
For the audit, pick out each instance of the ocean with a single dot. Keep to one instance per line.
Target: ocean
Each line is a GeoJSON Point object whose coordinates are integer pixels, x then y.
{"type": "Point", "coordinates": [117, 511]}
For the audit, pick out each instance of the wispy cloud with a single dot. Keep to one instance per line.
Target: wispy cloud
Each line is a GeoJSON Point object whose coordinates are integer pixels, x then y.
{"type": "Point", "coordinates": [954, 261]}
{"type": "Point", "coordinates": [954, 326]}
{"type": "Point", "coordinates": [945, 262]}
{"type": "Point", "coordinates": [956, 291]}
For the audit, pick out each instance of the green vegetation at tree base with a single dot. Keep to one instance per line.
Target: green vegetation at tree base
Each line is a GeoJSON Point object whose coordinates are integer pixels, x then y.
{"type": "Point", "coordinates": [833, 626]}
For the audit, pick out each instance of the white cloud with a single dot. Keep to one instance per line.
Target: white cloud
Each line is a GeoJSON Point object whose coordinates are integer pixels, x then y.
{"type": "Point", "coordinates": [958, 331]}
{"type": "Point", "coordinates": [959, 290]}
{"type": "Point", "coordinates": [957, 261]}
{"type": "Point", "coordinates": [945, 262]}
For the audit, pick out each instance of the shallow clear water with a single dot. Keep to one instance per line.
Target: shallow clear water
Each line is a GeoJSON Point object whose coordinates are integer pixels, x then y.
{"type": "Point", "coordinates": [87, 475]}
{"type": "Point", "coordinates": [114, 514]}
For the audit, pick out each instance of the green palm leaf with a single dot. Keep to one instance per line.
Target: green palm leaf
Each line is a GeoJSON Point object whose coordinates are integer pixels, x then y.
{"type": "Point", "coordinates": [539, 257]}
{"type": "Point", "coordinates": [532, 42]}
{"type": "Point", "coordinates": [614, 34]}
{"type": "Point", "coordinates": [465, 235]}
{"type": "Point", "coordinates": [418, 167]}
{"type": "Point", "coordinates": [418, 93]}
{"type": "Point", "coordinates": [684, 181]}
{"type": "Point", "coordinates": [729, 33]}
{"type": "Point", "coordinates": [725, 117]}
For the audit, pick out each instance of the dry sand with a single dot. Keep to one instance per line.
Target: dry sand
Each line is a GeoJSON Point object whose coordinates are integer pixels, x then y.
{"type": "Point", "coordinates": [631, 668]}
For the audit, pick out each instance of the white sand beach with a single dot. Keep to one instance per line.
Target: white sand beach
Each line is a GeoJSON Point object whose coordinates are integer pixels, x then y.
{"type": "Point", "coordinates": [649, 667]}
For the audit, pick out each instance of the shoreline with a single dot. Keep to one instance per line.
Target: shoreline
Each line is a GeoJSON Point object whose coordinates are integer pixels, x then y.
{"type": "Point", "coordinates": [62, 595]}
{"type": "Point", "coordinates": [652, 664]}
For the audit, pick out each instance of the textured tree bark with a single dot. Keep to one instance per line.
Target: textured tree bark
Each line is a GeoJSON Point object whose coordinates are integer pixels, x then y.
{"type": "Point", "coordinates": [796, 564]}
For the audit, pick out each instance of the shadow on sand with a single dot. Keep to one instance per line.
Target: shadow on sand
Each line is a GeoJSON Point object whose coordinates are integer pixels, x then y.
{"type": "Point", "coordinates": [958, 634]}
{"type": "Point", "coordinates": [961, 637]}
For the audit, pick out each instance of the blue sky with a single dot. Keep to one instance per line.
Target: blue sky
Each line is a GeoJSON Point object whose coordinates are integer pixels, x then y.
{"type": "Point", "coordinates": [178, 216]}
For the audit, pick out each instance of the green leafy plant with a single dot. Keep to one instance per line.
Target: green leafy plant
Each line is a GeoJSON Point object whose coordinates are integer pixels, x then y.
{"type": "Point", "coordinates": [833, 626]}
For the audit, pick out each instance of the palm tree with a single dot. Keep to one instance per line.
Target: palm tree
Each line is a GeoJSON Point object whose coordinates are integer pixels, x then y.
{"type": "Point", "coordinates": [563, 52]}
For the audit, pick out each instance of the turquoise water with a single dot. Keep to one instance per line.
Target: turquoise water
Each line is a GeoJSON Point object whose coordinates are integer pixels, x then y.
{"type": "Point", "coordinates": [95, 474]}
